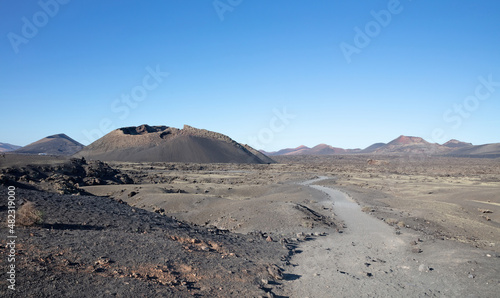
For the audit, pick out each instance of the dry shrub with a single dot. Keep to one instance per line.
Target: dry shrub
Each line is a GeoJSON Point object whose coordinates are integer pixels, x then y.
{"type": "Point", "coordinates": [368, 209]}
{"type": "Point", "coordinates": [28, 215]}
{"type": "Point", "coordinates": [391, 221]}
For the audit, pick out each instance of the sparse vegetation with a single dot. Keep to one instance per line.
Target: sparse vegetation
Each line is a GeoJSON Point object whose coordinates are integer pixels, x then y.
{"type": "Point", "coordinates": [28, 215]}
{"type": "Point", "coordinates": [368, 209]}
{"type": "Point", "coordinates": [391, 221]}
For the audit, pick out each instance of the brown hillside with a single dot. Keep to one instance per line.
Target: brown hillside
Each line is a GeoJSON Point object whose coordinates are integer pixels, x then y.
{"type": "Point", "coordinates": [161, 143]}
{"type": "Point", "coordinates": [59, 144]}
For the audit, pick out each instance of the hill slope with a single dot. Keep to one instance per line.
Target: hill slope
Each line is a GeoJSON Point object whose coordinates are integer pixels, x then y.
{"type": "Point", "coordinates": [486, 150]}
{"type": "Point", "coordinates": [373, 147]}
{"type": "Point", "coordinates": [59, 144]}
{"type": "Point", "coordinates": [321, 149]}
{"type": "Point", "coordinates": [5, 147]}
{"type": "Point", "coordinates": [456, 144]}
{"type": "Point", "coordinates": [410, 145]}
{"type": "Point", "coordinates": [161, 143]}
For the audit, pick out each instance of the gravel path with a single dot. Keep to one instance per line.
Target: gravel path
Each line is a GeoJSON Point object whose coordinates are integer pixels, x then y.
{"type": "Point", "coordinates": [369, 259]}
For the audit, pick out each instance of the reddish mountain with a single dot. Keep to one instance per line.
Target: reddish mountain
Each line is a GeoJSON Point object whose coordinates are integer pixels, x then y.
{"type": "Point", "coordinates": [286, 151]}
{"type": "Point", "coordinates": [400, 145]}
{"type": "Point", "coordinates": [406, 140]}
{"type": "Point", "coordinates": [410, 145]}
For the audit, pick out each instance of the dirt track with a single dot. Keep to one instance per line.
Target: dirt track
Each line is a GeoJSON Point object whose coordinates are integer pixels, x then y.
{"type": "Point", "coordinates": [372, 259]}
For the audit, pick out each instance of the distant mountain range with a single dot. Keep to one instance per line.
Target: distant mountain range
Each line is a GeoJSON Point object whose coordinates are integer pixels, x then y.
{"type": "Point", "coordinates": [5, 147]}
{"type": "Point", "coordinates": [162, 143]}
{"type": "Point", "coordinates": [402, 145]}
{"type": "Point", "coordinates": [321, 149]}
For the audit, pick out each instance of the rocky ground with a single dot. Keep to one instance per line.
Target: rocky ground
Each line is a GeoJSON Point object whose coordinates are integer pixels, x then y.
{"type": "Point", "coordinates": [65, 176]}
{"type": "Point", "coordinates": [401, 226]}
{"type": "Point", "coordinates": [95, 246]}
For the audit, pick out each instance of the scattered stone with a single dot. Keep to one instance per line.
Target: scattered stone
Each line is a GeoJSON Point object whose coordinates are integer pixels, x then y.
{"type": "Point", "coordinates": [275, 272]}
{"type": "Point", "coordinates": [416, 250]}
{"type": "Point", "coordinates": [269, 239]}
{"type": "Point", "coordinates": [159, 210]}
{"type": "Point", "coordinates": [485, 211]}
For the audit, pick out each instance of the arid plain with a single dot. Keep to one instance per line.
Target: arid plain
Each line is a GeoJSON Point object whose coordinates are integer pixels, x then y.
{"type": "Point", "coordinates": [426, 226]}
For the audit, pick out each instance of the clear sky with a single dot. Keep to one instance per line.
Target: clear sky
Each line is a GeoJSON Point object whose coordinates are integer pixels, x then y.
{"type": "Point", "coordinates": [273, 74]}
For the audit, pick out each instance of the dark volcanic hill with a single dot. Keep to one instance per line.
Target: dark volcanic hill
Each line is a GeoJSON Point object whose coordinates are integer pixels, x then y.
{"type": "Point", "coordinates": [372, 148]}
{"type": "Point", "coordinates": [456, 144]}
{"type": "Point", "coordinates": [5, 147]}
{"type": "Point", "coordinates": [59, 144]}
{"type": "Point", "coordinates": [324, 149]}
{"type": "Point", "coordinates": [168, 144]}
{"type": "Point", "coordinates": [321, 149]}
{"type": "Point", "coordinates": [487, 150]}
{"type": "Point", "coordinates": [259, 154]}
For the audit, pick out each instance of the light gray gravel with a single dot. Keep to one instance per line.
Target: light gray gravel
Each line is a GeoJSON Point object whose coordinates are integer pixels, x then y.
{"type": "Point", "coordinates": [369, 259]}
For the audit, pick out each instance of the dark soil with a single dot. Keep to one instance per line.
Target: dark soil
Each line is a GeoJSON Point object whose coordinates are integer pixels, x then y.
{"type": "Point", "coordinates": [95, 246]}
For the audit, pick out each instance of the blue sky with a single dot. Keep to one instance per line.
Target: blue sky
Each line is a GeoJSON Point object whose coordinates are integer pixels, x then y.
{"type": "Point", "coordinates": [273, 74]}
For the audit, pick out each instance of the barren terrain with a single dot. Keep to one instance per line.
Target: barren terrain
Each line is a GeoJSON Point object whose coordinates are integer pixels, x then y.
{"type": "Point", "coordinates": [310, 226]}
